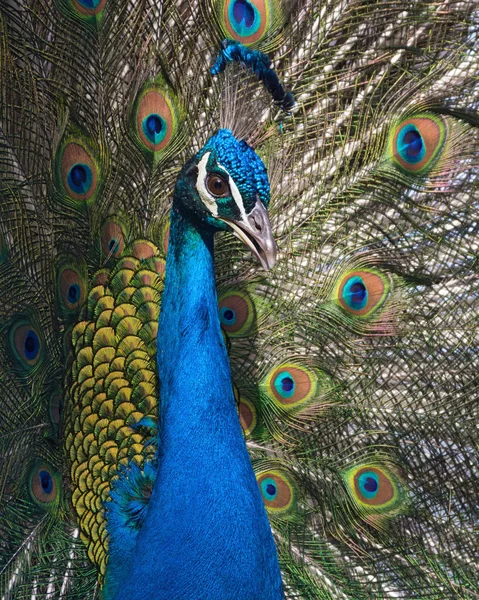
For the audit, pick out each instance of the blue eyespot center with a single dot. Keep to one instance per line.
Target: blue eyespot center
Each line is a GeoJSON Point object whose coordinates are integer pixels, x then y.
{"type": "Point", "coordinates": [355, 293]}
{"type": "Point", "coordinates": [80, 178]}
{"type": "Point", "coordinates": [269, 488]}
{"type": "Point", "coordinates": [78, 175]}
{"type": "Point", "coordinates": [46, 482]}
{"type": "Point", "coordinates": [227, 316]}
{"type": "Point", "coordinates": [285, 384]}
{"type": "Point", "coordinates": [154, 124]}
{"type": "Point", "coordinates": [244, 17]}
{"type": "Point", "coordinates": [90, 4]}
{"type": "Point", "coordinates": [243, 11]}
{"type": "Point", "coordinates": [154, 128]}
{"type": "Point", "coordinates": [31, 345]}
{"type": "Point", "coordinates": [410, 144]}
{"type": "Point", "coordinates": [414, 143]}
{"type": "Point", "coordinates": [73, 293]}
{"type": "Point", "coordinates": [112, 245]}
{"type": "Point", "coordinates": [358, 292]}
{"type": "Point", "coordinates": [368, 483]}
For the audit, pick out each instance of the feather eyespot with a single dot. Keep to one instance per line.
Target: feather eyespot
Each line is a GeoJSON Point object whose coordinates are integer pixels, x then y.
{"type": "Point", "coordinates": [277, 491]}
{"type": "Point", "coordinates": [79, 178]}
{"type": "Point", "coordinates": [291, 385]}
{"type": "Point", "coordinates": [26, 344]}
{"type": "Point", "coordinates": [236, 313]}
{"type": "Point", "coordinates": [374, 487]}
{"type": "Point", "coordinates": [416, 143]}
{"type": "Point", "coordinates": [112, 239]}
{"type": "Point", "coordinates": [367, 485]}
{"type": "Point", "coordinates": [43, 485]}
{"type": "Point", "coordinates": [154, 127]}
{"type": "Point", "coordinates": [155, 118]}
{"type": "Point", "coordinates": [362, 292]}
{"type": "Point", "coordinates": [89, 8]}
{"type": "Point", "coordinates": [72, 288]}
{"type": "Point", "coordinates": [246, 21]}
{"type": "Point", "coordinates": [78, 172]}
{"type": "Point", "coordinates": [247, 414]}
{"type": "Point", "coordinates": [217, 185]}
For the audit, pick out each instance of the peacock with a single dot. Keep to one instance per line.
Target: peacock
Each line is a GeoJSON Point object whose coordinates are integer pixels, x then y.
{"type": "Point", "coordinates": [240, 299]}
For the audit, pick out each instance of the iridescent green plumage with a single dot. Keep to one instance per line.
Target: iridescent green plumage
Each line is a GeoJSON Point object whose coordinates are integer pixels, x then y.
{"type": "Point", "coordinates": [354, 361]}
{"type": "Point", "coordinates": [113, 387]}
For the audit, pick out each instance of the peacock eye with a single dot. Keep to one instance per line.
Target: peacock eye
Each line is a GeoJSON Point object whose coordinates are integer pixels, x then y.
{"type": "Point", "coordinates": [217, 186]}
{"type": "Point", "coordinates": [375, 488]}
{"type": "Point", "coordinates": [277, 491]}
{"type": "Point", "coordinates": [26, 342]}
{"type": "Point", "coordinates": [44, 485]}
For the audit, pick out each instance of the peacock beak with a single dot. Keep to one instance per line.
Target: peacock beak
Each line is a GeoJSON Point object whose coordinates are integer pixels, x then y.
{"type": "Point", "coordinates": [254, 230]}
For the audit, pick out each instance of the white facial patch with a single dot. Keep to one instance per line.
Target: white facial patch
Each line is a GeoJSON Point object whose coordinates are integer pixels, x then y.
{"type": "Point", "coordinates": [237, 198]}
{"type": "Point", "coordinates": [208, 199]}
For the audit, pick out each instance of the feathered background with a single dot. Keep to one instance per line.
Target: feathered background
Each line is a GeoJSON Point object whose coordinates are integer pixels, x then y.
{"type": "Point", "coordinates": [385, 389]}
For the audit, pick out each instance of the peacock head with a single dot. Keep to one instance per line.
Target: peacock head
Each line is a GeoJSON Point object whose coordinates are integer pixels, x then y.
{"type": "Point", "coordinates": [226, 187]}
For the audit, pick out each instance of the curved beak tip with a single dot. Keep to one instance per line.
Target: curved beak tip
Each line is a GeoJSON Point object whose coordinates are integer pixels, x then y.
{"type": "Point", "coordinates": [255, 232]}
{"type": "Point", "coordinates": [268, 255]}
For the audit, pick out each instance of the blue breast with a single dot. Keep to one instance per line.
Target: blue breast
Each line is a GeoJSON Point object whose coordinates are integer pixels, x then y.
{"type": "Point", "coordinates": [206, 535]}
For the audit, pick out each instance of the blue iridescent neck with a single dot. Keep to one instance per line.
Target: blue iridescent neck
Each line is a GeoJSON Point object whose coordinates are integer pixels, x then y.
{"type": "Point", "coordinates": [206, 535]}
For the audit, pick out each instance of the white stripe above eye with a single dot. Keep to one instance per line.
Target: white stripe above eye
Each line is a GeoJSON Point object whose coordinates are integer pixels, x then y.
{"type": "Point", "coordinates": [237, 197]}
{"type": "Point", "coordinates": [208, 199]}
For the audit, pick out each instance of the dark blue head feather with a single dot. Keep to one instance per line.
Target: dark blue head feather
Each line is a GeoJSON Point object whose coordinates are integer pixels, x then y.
{"type": "Point", "coordinates": [242, 163]}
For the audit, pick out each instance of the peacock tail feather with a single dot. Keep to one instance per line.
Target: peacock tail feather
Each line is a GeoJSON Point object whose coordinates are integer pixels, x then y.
{"type": "Point", "coordinates": [354, 361]}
